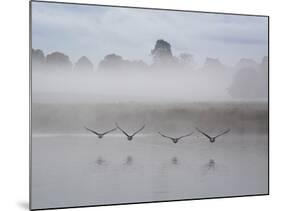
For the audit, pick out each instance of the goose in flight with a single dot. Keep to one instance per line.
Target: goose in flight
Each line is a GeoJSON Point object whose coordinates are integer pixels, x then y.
{"type": "Point", "coordinates": [100, 135]}
{"type": "Point", "coordinates": [212, 139]}
{"type": "Point", "coordinates": [175, 140]}
{"type": "Point", "coordinates": [130, 137]}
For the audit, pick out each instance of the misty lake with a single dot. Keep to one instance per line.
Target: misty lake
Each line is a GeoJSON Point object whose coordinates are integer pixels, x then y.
{"type": "Point", "coordinates": [80, 169]}
{"type": "Point", "coordinates": [153, 73]}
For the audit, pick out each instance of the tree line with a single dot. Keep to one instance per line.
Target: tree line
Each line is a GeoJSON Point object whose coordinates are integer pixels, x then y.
{"type": "Point", "coordinates": [250, 79]}
{"type": "Point", "coordinates": [162, 55]}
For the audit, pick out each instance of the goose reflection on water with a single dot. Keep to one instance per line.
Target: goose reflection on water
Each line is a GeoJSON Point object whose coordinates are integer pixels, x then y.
{"type": "Point", "coordinates": [210, 166]}
{"type": "Point", "coordinates": [175, 160]}
{"type": "Point", "coordinates": [129, 160]}
{"type": "Point", "coordinates": [100, 161]}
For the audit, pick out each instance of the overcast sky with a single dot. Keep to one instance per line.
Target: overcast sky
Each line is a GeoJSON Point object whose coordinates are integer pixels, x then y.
{"type": "Point", "coordinates": [95, 31]}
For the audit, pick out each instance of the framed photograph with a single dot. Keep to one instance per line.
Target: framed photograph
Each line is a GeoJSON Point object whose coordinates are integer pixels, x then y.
{"type": "Point", "coordinates": [136, 105]}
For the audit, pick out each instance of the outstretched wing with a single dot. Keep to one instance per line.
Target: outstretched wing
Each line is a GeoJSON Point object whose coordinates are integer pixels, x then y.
{"type": "Point", "coordinates": [203, 133]}
{"type": "Point", "coordinates": [121, 129]}
{"type": "Point", "coordinates": [223, 133]}
{"type": "Point", "coordinates": [185, 136]}
{"type": "Point", "coordinates": [92, 131]}
{"type": "Point", "coordinates": [109, 131]}
{"type": "Point", "coordinates": [138, 130]}
{"type": "Point", "coordinates": [165, 136]}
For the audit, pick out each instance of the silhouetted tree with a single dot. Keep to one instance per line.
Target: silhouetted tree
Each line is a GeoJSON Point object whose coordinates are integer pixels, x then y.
{"type": "Point", "coordinates": [212, 64]}
{"type": "Point", "coordinates": [38, 59]}
{"type": "Point", "coordinates": [58, 61]}
{"type": "Point", "coordinates": [136, 65]}
{"type": "Point", "coordinates": [162, 56]}
{"type": "Point", "coordinates": [161, 51]}
{"type": "Point", "coordinates": [246, 63]}
{"type": "Point", "coordinates": [84, 64]}
{"type": "Point", "coordinates": [111, 61]}
{"type": "Point", "coordinates": [251, 82]}
{"type": "Point", "coordinates": [116, 62]}
{"type": "Point", "coordinates": [186, 61]}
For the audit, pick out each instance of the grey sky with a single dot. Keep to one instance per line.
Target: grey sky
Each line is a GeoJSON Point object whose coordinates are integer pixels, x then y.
{"type": "Point", "coordinates": [95, 31]}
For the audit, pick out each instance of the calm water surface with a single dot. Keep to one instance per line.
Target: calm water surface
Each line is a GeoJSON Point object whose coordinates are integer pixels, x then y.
{"type": "Point", "coordinates": [80, 169]}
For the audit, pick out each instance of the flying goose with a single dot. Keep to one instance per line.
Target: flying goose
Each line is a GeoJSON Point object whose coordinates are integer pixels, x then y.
{"type": "Point", "coordinates": [100, 135]}
{"type": "Point", "coordinates": [130, 137]}
{"type": "Point", "coordinates": [212, 139]}
{"type": "Point", "coordinates": [175, 140]}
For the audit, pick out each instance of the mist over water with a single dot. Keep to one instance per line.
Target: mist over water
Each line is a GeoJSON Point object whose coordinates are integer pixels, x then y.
{"type": "Point", "coordinates": [160, 86]}
{"type": "Point", "coordinates": [166, 86]}
{"type": "Point", "coordinates": [73, 167]}
{"type": "Point", "coordinates": [129, 87]}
